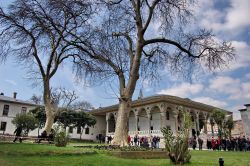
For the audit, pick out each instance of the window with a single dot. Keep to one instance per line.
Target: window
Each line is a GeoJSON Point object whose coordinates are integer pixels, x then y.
{"type": "Point", "coordinates": [71, 129]}
{"type": "Point", "coordinates": [6, 110]}
{"type": "Point", "coordinates": [138, 128]}
{"type": "Point", "coordinates": [167, 115]}
{"type": "Point", "coordinates": [151, 117]}
{"type": "Point", "coordinates": [151, 128]}
{"type": "Point", "coordinates": [192, 118]}
{"type": "Point", "coordinates": [24, 110]}
{"type": "Point", "coordinates": [3, 126]}
{"type": "Point", "coordinates": [87, 130]}
{"type": "Point", "coordinates": [78, 130]}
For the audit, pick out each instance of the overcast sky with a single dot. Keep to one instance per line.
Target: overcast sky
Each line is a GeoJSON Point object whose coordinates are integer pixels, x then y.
{"type": "Point", "coordinates": [228, 89]}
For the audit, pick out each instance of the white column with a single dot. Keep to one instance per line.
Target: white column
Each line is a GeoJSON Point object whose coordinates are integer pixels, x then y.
{"type": "Point", "coordinates": [197, 121]}
{"type": "Point", "coordinates": [136, 124]}
{"type": "Point", "coordinates": [149, 122]}
{"type": "Point", "coordinates": [163, 119]}
{"type": "Point", "coordinates": [175, 115]}
{"type": "Point", "coordinates": [107, 124]}
{"type": "Point", "coordinates": [205, 123]}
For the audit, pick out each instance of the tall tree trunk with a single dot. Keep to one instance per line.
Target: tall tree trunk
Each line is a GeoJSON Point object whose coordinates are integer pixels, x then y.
{"type": "Point", "coordinates": [49, 108]}
{"type": "Point", "coordinates": [121, 129]}
{"type": "Point", "coordinates": [49, 118]}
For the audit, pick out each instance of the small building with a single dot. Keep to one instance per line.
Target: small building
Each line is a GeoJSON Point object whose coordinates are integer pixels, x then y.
{"type": "Point", "coordinates": [245, 116]}
{"type": "Point", "coordinates": [238, 128]}
{"type": "Point", "coordinates": [9, 108]}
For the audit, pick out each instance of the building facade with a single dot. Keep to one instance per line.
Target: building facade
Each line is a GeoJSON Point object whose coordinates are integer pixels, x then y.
{"type": "Point", "coordinates": [9, 108]}
{"type": "Point", "coordinates": [238, 128]}
{"type": "Point", "coordinates": [245, 116]}
{"type": "Point", "coordinates": [148, 115]}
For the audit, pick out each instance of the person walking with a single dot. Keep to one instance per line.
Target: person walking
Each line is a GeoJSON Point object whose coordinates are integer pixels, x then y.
{"type": "Point", "coordinates": [18, 133]}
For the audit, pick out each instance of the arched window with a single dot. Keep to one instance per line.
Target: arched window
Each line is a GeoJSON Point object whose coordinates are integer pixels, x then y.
{"type": "Point", "coordinates": [167, 115]}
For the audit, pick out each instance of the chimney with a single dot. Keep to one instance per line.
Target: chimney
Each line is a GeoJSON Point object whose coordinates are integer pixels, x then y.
{"type": "Point", "coordinates": [14, 95]}
{"type": "Point", "coordinates": [2, 94]}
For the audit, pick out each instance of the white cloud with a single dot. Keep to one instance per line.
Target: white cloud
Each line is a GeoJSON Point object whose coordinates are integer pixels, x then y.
{"type": "Point", "coordinates": [236, 89]}
{"type": "Point", "coordinates": [225, 84]}
{"type": "Point", "coordinates": [242, 55]}
{"type": "Point", "coordinates": [236, 113]}
{"type": "Point", "coordinates": [232, 19]}
{"type": "Point", "coordinates": [247, 76]}
{"type": "Point", "coordinates": [11, 82]}
{"type": "Point", "coordinates": [210, 101]}
{"type": "Point", "coordinates": [183, 90]}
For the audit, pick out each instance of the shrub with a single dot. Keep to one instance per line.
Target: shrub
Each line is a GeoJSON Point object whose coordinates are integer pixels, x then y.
{"type": "Point", "coordinates": [26, 121]}
{"type": "Point", "coordinates": [61, 137]}
{"type": "Point", "coordinates": [177, 146]}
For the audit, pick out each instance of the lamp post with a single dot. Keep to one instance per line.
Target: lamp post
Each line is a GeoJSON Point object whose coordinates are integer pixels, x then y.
{"type": "Point", "coordinates": [221, 161]}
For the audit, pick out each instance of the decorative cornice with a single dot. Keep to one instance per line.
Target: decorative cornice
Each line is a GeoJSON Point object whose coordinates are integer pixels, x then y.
{"type": "Point", "coordinates": [167, 99]}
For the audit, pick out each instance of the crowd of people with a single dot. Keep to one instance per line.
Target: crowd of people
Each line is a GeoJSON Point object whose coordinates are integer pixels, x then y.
{"type": "Point", "coordinates": [152, 141]}
{"type": "Point", "coordinates": [226, 144]}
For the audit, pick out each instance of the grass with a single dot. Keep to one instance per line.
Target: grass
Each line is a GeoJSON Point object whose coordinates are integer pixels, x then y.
{"type": "Point", "coordinates": [40, 155]}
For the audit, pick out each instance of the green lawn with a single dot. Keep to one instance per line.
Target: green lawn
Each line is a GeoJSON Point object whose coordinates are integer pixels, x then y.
{"type": "Point", "coordinates": [41, 155]}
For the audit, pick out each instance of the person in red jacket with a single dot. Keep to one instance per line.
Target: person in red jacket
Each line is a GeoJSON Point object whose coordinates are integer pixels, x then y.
{"type": "Point", "coordinates": [218, 144]}
{"type": "Point", "coordinates": [129, 140]}
{"type": "Point", "coordinates": [213, 143]}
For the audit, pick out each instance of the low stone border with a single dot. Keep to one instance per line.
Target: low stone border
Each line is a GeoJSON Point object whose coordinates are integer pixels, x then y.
{"type": "Point", "coordinates": [140, 154]}
{"type": "Point", "coordinates": [48, 153]}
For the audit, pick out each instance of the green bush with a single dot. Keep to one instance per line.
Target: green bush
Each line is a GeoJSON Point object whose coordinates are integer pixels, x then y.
{"type": "Point", "coordinates": [26, 121]}
{"type": "Point", "coordinates": [61, 137]}
{"type": "Point", "coordinates": [177, 146]}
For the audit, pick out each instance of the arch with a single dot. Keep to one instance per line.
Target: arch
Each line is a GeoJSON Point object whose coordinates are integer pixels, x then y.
{"type": "Point", "coordinates": [111, 123]}
{"type": "Point", "coordinates": [168, 112]}
{"type": "Point", "coordinates": [142, 119]}
{"type": "Point", "coordinates": [155, 118]}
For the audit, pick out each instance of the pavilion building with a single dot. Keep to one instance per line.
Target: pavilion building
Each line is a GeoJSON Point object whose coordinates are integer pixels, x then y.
{"type": "Point", "coordinates": [148, 115]}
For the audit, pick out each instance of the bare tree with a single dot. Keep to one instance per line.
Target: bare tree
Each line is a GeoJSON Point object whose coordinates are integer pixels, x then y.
{"type": "Point", "coordinates": [125, 45]}
{"type": "Point", "coordinates": [63, 97]}
{"type": "Point", "coordinates": [36, 99]}
{"type": "Point", "coordinates": [32, 31]}
{"type": "Point", "coordinates": [82, 105]}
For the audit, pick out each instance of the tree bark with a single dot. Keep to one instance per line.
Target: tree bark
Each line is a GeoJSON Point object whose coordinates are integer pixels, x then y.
{"type": "Point", "coordinates": [121, 129]}
{"type": "Point", "coordinates": [49, 108]}
{"type": "Point", "coordinates": [49, 118]}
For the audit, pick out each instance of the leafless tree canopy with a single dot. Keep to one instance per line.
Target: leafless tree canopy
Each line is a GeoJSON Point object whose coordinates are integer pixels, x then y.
{"type": "Point", "coordinates": [36, 99]}
{"type": "Point", "coordinates": [63, 97]}
{"type": "Point", "coordinates": [155, 33]}
{"type": "Point", "coordinates": [32, 32]}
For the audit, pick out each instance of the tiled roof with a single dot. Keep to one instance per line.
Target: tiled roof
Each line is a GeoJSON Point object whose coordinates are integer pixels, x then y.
{"type": "Point", "coordinates": [13, 100]}
{"type": "Point", "coordinates": [161, 98]}
{"type": "Point", "coordinates": [242, 110]}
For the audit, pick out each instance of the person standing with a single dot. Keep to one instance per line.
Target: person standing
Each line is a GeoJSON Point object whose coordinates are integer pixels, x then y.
{"type": "Point", "coordinates": [135, 140]}
{"type": "Point", "coordinates": [200, 142]}
{"type": "Point", "coordinates": [129, 140]}
{"type": "Point", "coordinates": [213, 143]}
{"type": "Point", "coordinates": [18, 133]}
{"type": "Point", "coordinates": [194, 143]}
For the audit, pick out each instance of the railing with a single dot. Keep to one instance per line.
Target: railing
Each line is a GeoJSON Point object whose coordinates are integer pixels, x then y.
{"type": "Point", "coordinates": [144, 132]}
